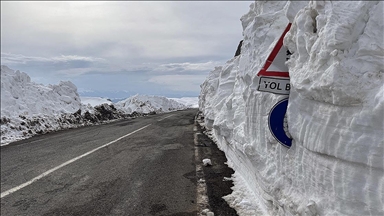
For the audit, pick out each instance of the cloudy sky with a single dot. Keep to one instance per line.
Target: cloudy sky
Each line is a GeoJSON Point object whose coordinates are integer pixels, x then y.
{"type": "Point", "coordinates": [117, 49]}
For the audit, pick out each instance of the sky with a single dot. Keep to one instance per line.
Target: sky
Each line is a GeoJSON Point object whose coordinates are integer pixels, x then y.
{"type": "Point", "coordinates": [118, 49]}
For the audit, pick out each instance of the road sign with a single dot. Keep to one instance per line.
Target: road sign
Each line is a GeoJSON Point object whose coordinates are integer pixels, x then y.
{"type": "Point", "coordinates": [274, 85]}
{"type": "Point", "coordinates": [276, 119]}
{"type": "Point", "coordinates": [274, 78]}
{"type": "Point", "coordinates": [275, 64]}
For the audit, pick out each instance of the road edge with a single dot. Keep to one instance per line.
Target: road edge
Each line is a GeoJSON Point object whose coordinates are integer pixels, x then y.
{"type": "Point", "coordinates": [202, 200]}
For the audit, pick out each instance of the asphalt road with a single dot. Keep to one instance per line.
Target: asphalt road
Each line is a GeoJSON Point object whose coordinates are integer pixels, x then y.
{"type": "Point", "coordinates": [148, 172]}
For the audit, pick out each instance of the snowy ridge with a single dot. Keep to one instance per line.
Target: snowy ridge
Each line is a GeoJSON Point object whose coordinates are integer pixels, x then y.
{"type": "Point", "coordinates": [149, 104]}
{"type": "Point", "coordinates": [28, 108]}
{"type": "Point", "coordinates": [95, 101]}
{"type": "Point", "coordinates": [191, 102]}
{"type": "Point", "coordinates": [335, 111]}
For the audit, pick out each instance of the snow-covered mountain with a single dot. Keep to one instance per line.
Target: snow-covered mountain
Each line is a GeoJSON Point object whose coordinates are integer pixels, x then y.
{"type": "Point", "coordinates": [335, 114]}
{"type": "Point", "coordinates": [28, 108]}
{"type": "Point", "coordinates": [192, 102]}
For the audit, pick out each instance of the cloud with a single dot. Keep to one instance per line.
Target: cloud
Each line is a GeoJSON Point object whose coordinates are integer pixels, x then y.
{"type": "Point", "coordinates": [125, 30]}
{"type": "Point", "coordinates": [121, 45]}
{"type": "Point", "coordinates": [186, 83]}
{"type": "Point", "coordinates": [74, 65]}
{"type": "Point", "coordinates": [9, 58]}
{"type": "Point", "coordinates": [77, 71]}
{"type": "Point", "coordinates": [187, 66]}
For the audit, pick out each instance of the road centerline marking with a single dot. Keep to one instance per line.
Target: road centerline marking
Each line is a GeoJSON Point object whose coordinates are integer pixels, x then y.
{"type": "Point", "coordinates": [12, 190]}
{"type": "Point", "coordinates": [165, 117]}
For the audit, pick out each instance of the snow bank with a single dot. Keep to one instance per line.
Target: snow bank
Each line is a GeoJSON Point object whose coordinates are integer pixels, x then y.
{"type": "Point", "coordinates": [149, 104]}
{"type": "Point", "coordinates": [335, 111]}
{"type": "Point", "coordinates": [20, 96]}
{"type": "Point", "coordinates": [28, 108]}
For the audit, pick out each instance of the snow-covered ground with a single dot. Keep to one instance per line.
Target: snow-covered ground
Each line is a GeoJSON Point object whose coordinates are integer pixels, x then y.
{"type": "Point", "coordinates": [28, 108]}
{"type": "Point", "coordinates": [335, 112]}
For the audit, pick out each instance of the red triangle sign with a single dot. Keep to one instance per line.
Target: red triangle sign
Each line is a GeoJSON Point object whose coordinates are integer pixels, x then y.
{"type": "Point", "coordinates": [275, 64]}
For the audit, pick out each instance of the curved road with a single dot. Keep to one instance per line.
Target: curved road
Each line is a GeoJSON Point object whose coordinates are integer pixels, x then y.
{"type": "Point", "coordinates": [142, 166]}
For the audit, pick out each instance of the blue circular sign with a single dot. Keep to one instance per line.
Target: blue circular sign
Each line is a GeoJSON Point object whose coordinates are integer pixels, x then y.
{"type": "Point", "coordinates": [276, 123]}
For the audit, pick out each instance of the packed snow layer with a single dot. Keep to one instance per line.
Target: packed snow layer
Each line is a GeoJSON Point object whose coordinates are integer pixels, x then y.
{"type": "Point", "coordinates": [20, 96]}
{"type": "Point", "coordinates": [335, 111]}
{"type": "Point", "coordinates": [95, 101]}
{"type": "Point", "coordinates": [191, 102]}
{"type": "Point", "coordinates": [149, 104]}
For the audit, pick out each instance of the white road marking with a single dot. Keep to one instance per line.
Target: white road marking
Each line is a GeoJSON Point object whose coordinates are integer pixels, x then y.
{"type": "Point", "coordinates": [12, 190]}
{"type": "Point", "coordinates": [202, 199]}
{"type": "Point", "coordinates": [165, 117]}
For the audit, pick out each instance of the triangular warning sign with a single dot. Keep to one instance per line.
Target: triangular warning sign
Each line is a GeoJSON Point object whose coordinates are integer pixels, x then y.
{"type": "Point", "coordinates": [275, 64]}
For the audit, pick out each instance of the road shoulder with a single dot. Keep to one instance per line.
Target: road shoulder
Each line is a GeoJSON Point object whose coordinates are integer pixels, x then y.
{"type": "Point", "coordinates": [215, 178]}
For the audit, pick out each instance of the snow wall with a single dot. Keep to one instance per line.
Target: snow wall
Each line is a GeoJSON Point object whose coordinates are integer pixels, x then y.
{"type": "Point", "coordinates": [28, 108]}
{"type": "Point", "coordinates": [20, 96]}
{"type": "Point", "coordinates": [148, 104]}
{"type": "Point", "coordinates": [335, 111]}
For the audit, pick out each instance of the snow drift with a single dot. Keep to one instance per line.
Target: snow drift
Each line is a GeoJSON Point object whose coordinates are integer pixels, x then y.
{"type": "Point", "coordinates": [20, 96]}
{"type": "Point", "coordinates": [149, 104]}
{"type": "Point", "coordinates": [335, 111]}
{"type": "Point", "coordinates": [28, 108]}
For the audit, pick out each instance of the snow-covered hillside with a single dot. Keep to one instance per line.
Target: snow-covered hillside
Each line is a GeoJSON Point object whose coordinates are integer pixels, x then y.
{"type": "Point", "coordinates": [335, 112]}
{"type": "Point", "coordinates": [28, 108]}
